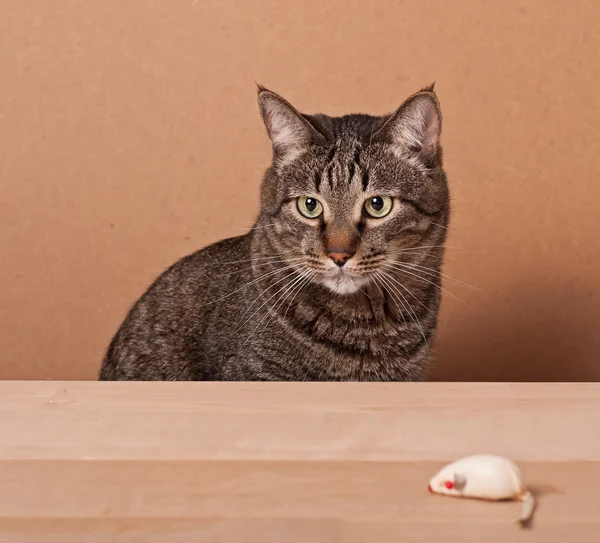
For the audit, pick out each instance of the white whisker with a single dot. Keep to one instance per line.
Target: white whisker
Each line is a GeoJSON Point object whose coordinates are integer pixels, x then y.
{"type": "Point", "coordinates": [237, 327]}
{"type": "Point", "coordinates": [263, 264]}
{"type": "Point", "coordinates": [411, 312]}
{"type": "Point", "coordinates": [433, 272]}
{"type": "Point", "coordinates": [271, 313]}
{"type": "Point", "coordinates": [392, 278]}
{"type": "Point", "coordinates": [306, 282]}
{"type": "Point", "coordinates": [263, 226]}
{"type": "Point", "coordinates": [411, 249]}
{"type": "Point", "coordinates": [377, 285]}
{"type": "Point", "coordinates": [378, 278]}
{"type": "Point", "coordinates": [256, 258]}
{"type": "Point", "coordinates": [264, 276]}
{"type": "Point", "coordinates": [448, 229]}
{"type": "Point", "coordinates": [403, 270]}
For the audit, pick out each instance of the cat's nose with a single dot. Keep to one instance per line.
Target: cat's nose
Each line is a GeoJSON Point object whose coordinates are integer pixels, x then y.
{"type": "Point", "coordinates": [340, 256]}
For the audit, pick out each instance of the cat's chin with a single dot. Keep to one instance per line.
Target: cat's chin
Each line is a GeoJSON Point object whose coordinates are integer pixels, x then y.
{"type": "Point", "coordinates": [343, 284]}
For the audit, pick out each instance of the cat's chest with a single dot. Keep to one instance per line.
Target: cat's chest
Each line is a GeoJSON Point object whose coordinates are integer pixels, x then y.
{"type": "Point", "coordinates": [326, 351]}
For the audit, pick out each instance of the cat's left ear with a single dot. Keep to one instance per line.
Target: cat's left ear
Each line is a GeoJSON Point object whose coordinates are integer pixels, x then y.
{"type": "Point", "coordinates": [290, 132]}
{"type": "Point", "coordinates": [414, 129]}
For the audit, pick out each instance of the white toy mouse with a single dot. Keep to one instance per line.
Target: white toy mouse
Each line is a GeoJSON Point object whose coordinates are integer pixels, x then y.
{"type": "Point", "coordinates": [484, 477]}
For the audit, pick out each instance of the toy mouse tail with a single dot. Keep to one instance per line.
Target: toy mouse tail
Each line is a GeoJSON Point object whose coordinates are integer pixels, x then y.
{"type": "Point", "coordinates": [528, 508]}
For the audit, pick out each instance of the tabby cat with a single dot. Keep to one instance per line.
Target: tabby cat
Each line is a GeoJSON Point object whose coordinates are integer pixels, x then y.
{"type": "Point", "coordinates": [339, 278]}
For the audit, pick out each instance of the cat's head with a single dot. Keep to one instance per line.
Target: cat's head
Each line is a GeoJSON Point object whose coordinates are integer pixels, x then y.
{"type": "Point", "coordinates": [347, 196]}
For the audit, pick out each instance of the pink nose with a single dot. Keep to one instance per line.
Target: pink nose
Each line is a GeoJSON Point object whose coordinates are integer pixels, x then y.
{"type": "Point", "coordinates": [340, 257]}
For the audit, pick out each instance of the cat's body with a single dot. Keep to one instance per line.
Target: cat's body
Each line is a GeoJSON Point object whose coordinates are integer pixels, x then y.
{"type": "Point", "coordinates": [325, 286]}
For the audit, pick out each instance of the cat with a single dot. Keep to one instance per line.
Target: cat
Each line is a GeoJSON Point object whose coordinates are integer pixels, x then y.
{"type": "Point", "coordinates": [338, 279]}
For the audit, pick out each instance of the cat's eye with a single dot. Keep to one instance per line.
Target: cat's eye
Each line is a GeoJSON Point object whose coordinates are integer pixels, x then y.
{"type": "Point", "coordinates": [309, 207]}
{"type": "Point", "coordinates": [378, 206]}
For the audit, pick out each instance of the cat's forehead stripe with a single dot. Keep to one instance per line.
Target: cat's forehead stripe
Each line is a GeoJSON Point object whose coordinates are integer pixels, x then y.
{"type": "Point", "coordinates": [342, 164]}
{"type": "Point", "coordinates": [365, 179]}
{"type": "Point", "coordinates": [326, 173]}
{"type": "Point", "coordinates": [354, 163]}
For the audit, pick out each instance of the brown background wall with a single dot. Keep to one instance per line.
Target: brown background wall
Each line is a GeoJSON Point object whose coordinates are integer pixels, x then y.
{"type": "Point", "coordinates": [130, 136]}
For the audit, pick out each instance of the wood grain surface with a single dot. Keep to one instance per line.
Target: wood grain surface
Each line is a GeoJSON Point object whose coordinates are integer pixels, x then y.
{"type": "Point", "coordinates": [250, 462]}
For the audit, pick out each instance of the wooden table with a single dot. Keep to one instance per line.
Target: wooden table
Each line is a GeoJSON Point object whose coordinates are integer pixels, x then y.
{"type": "Point", "coordinates": [286, 463]}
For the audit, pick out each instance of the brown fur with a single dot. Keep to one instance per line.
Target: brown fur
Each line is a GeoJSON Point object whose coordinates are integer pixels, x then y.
{"type": "Point", "coordinates": [272, 305]}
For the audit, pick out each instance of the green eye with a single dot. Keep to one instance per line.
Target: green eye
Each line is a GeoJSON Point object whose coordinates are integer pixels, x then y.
{"type": "Point", "coordinates": [309, 207]}
{"type": "Point", "coordinates": [378, 206]}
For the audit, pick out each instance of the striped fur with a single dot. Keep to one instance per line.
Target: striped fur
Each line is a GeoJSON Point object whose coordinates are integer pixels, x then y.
{"type": "Point", "coordinates": [271, 305]}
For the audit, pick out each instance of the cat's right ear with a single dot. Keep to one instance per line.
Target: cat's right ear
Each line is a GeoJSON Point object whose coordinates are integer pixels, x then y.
{"type": "Point", "coordinates": [290, 132]}
{"type": "Point", "coordinates": [413, 131]}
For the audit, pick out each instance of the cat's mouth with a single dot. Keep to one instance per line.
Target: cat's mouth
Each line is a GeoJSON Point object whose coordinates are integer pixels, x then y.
{"type": "Point", "coordinates": [345, 279]}
{"type": "Point", "coordinates": [342, 281]}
